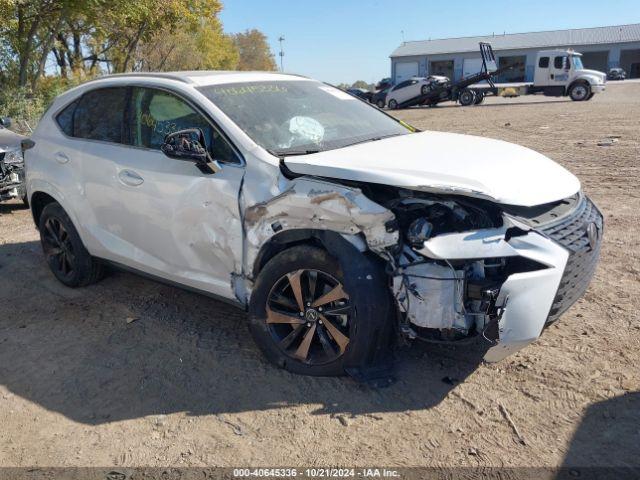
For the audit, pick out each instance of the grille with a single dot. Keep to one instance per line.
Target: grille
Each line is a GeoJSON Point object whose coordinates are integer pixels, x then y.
{"type": "Point", "coordinates": [572, 233]}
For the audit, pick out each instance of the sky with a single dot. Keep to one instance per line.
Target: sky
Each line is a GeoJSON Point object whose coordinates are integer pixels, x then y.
{"type": "Point", "coordinates": [340, 41]}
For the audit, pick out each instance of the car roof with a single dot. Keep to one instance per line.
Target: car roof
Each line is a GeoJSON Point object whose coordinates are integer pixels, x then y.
{"type": "Point", "coordinates": [208, 77]}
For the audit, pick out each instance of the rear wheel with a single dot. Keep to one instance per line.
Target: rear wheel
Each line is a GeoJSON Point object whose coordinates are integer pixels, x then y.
{"type": "Point", "coordinates": [580, 92]}
{"type": "Point", "coordinates": [380, 103]}
{"type": "Point", "coordinates": [467, 98]}
{"type": "Point", "coordinates": [425, 89]}
{"type": "Point", "coordinates": [393, 104]}
{"type": "Point", "coordinates": [66, 256]}
{"type": "Point", "coordinates": [304, 317]}
{"type": "Point", "coordinates": [479, 98]}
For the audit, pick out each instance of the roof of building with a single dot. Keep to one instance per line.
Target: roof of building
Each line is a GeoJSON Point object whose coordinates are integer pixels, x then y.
{"type": "Point", "coordinates": [511, 41]}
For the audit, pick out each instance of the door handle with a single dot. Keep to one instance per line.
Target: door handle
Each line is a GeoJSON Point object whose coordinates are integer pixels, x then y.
{"type": "Point", "coordinates": [61, 157]}
{"type": "Point", "coordinates": [129, 177]}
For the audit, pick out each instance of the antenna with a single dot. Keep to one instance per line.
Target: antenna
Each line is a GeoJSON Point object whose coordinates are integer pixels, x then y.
{"type": "Point", "coordinates": [281, 39]}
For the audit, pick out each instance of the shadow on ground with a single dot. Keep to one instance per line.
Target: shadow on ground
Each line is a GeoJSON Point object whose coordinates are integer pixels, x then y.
{"type": "Point", "coordinates": [129, 347]}
{"type": "Point", "coordinates": [606, 444]}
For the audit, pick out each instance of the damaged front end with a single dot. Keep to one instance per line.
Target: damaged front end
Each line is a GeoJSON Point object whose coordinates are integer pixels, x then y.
{"type": "Point", "coordinates": [465, 267]}
{"type": "Point", "coordinates": [12, 175]}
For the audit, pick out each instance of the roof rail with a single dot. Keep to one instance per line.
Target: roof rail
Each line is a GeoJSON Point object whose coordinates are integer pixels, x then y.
{"type": "Point", "coordinates": [169, 76]}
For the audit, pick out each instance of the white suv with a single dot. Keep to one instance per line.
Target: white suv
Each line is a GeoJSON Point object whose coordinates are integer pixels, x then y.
{"type": "Point", "coordinates": [337, 227]}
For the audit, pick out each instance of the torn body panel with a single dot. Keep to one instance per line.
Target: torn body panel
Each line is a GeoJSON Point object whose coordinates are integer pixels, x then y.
{"type": "Point", "coordinates": [306, 203]}
{"type": "Point", "coordinates": [498, 285]}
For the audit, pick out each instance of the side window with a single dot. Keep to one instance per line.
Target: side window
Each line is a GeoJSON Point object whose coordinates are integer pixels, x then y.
{"type": "Point", "coordinates": [559, 62]}
{"type": "Point", "coordinates": [65, 118]}
{"type": "Point", "coordinates": [155, 113]}
{"type": "Point", "coordinates": [99, 115]}
{"type": "Point", "coordinates": [402, 85]}
{"type": "Point", "coordinates": [544, 62]}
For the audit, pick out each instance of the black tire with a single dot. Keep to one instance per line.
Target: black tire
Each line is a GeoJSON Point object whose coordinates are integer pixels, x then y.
{"type": "Point", "coordinates": [380, 104]}
{"type": "Point", "coordinates": [580, 91]}
{"type": "Point", "coordinates": [366, 300]}
{"type": "Point", "coordinates": [64, 251]}
{"type": "Point", "coordinates": [479, 98]}
{"type": "Point", "coordinates": [467, 97]}
{"type": "Point", "coordinates": [393, 104]}
{"type": "Point", "coordinates": [25, 200]}
{"type": "Point", "coordinates": [425, 89]}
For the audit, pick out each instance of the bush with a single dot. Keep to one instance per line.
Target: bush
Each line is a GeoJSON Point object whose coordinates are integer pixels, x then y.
{"type": "Point", "coordinates": [25, 106]}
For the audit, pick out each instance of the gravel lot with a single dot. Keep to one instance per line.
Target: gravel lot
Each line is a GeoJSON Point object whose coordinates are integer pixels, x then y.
{"type": "Point", "coordinates": [133, 373]}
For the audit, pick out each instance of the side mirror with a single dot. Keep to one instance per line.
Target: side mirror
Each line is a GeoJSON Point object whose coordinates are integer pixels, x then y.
{"type": "Point", "coordinates": [186, 145]}
{"type": "Point", "coordinates": [5, 122]}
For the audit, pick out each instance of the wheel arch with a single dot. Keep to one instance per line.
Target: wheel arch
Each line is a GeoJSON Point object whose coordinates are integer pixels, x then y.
{"type": "Point", "coordinates": [37, 202]}
{"type": "Point", "coordinates": [334, 243]}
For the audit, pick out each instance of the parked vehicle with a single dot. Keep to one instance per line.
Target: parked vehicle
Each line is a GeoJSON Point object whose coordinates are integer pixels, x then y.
{"type": "Point", "coordinates": [379, 98]}
{"type": "Point", "coordinates": [360, 93]}
{"type": "Point", "coordinates": [413, 88]}
{"type": "Point", "coordinates": [11, 163]}
{"type": "Point", "coordinates": [334, 225]}
{"type": "Point", "coordinates": [558, 73]}
{"type": "Point", "coordinates": [616, 74]}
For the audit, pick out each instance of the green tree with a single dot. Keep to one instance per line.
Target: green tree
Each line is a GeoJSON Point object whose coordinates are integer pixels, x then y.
{"type": "Point", "coordinates": [254, 51]}
{"type": "Point", "coordinates": [361, 84]}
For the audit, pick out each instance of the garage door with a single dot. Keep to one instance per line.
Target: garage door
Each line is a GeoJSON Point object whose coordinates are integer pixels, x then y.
{"type": "Point", "coordinates": [596, 60]}
{"type": "Point", "coordinates": [630, 61]}
{"type": "Point", "coordinates": [406, 70]}
{"type": "Point", "coordinates": [471, 66]}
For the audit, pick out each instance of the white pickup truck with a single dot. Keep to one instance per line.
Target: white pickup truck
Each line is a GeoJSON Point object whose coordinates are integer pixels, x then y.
{"type": "Point", "coordinates": [558, 73]}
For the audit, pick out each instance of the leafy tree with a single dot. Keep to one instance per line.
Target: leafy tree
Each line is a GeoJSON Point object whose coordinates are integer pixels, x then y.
{"type": "Point", "coordinates": [254, 51]}
{"type": "Point", "coordinates": [361, 84]}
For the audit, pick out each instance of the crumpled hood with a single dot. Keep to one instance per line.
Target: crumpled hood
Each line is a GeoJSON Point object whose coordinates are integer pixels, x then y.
{"type": "Point", "coordinates": [449, 163]}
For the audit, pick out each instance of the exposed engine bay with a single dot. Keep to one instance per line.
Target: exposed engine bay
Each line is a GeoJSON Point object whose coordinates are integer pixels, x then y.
{"type": "Point", "coordinates": [449, 299]}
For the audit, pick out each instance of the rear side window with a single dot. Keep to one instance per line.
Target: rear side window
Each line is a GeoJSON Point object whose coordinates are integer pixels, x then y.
{"type": "Point", "coordinates": [544, 62]}
{"type": "Point", "coordinates": [100, 114]}
{"type": "Point", "coordinates": [65, 118]}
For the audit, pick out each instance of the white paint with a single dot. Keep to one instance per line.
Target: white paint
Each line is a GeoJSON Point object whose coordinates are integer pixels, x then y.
{"type": "Point", "coordinates": [448, 162]}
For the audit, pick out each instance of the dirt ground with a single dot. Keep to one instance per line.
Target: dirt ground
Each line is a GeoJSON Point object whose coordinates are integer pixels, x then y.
{"type": "Point", "coordinates": [81, 384]}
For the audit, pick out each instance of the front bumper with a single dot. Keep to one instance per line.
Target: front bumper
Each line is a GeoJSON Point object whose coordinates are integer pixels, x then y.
{"type": "Point", "coordinates": [567, 249]}
{"type": "Point", "coordinates": [599, 88]}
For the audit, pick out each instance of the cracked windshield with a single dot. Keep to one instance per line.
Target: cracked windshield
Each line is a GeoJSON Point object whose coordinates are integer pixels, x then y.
{"type": "Point", "coordinates": [300, 117]}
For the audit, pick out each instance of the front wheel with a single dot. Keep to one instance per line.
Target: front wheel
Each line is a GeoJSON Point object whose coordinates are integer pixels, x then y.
{"type": "Point", "coordinates": [393, 104]}
{"type": "Point", "coordinates": [380, 104]}
{"type": "Point", "coordinates": [306, 319]}
{"type": "Point", "coordinates": [580, 92]}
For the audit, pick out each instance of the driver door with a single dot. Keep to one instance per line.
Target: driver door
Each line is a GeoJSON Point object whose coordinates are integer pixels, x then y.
{"type": "Point", "coordinates": [559, 71]}
{"type": "Point", "coordinates": [181, 224]}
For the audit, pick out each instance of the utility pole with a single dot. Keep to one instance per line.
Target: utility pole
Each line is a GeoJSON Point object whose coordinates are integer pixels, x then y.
{"type": "Point", "coordinates": [281, 39]}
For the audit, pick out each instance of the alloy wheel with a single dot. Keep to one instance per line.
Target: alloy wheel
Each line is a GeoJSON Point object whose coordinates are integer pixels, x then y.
{"type": "Point", "coordinates": [58, 248]}
{"type": "Point", "coordinates": [308, 316]}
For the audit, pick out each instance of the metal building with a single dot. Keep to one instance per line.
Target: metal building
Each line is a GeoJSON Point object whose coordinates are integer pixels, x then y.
{"type": "Point", "coordinates": [602, 48]}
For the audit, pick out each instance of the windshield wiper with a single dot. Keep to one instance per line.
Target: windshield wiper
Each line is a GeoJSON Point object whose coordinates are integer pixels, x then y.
{"type": "Point", "coordinates": [292, 153]}
{"type": "Point", "coordinates": [374, 139]}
